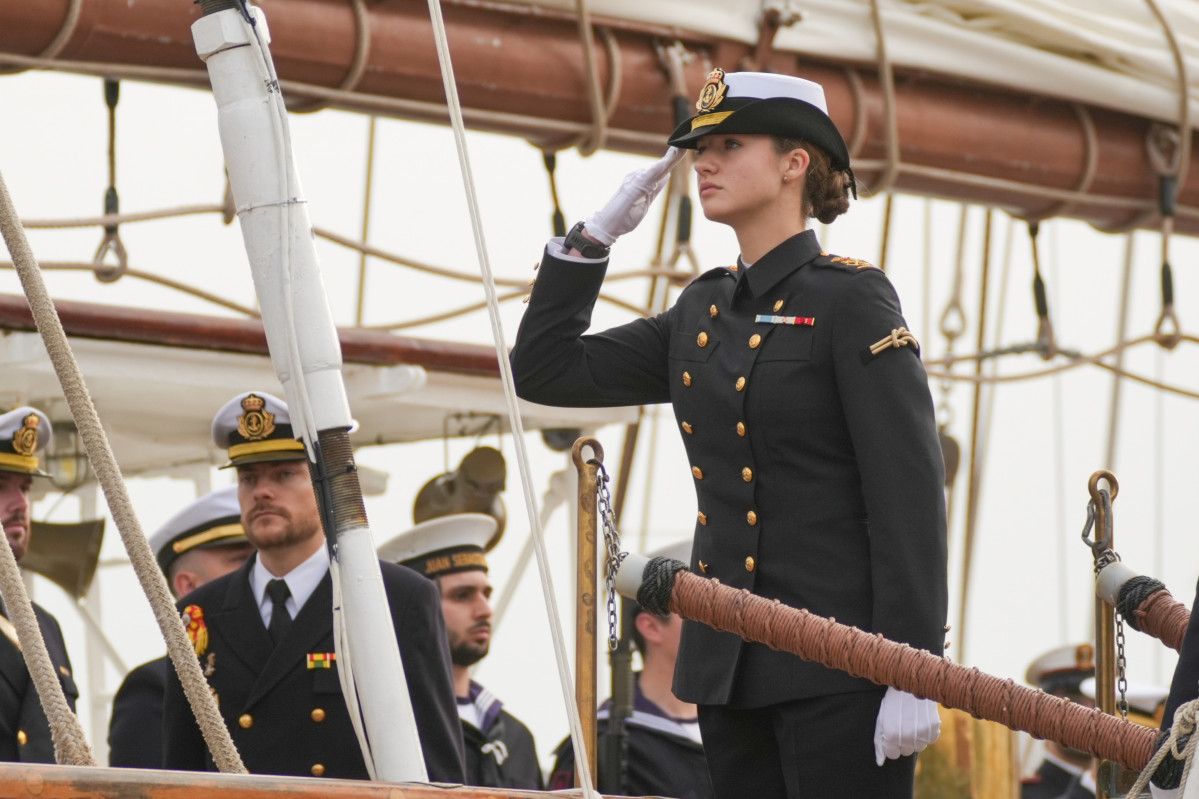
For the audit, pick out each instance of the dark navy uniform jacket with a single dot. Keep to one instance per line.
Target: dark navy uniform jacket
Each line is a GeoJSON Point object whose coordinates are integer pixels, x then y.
{"type": "Point", "coordinates": [24, 728]}
{"type": "Point", "coordinates": [662, 760]}
{"type": "Point", "coordinates": [135, 729]}
{"type": "Point", "coordinates": [288, 718]}
{"type": "Point", "coordinates": [1053, 782]}
{"type": "Point", "coordinates": [501, 753]}
{"type": "Point", "coordinates": [1184, 686]}
{"type": "Point", "coordinates": [816, 465]}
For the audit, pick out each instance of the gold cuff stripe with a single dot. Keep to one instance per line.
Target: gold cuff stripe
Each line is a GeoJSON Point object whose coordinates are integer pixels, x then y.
{"type": "Point", "coordinates": [211, 534]}
{"type": "Point", "coordinates": [26, 463]}
{"type": "Point", "coordinates": [273, 445]}
{"type": "Point", "coordinates": [704, 120]}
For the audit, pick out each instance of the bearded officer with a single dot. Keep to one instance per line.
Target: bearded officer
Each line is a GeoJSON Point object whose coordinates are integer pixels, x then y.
{"type": "Point", "coordinates": [203, 541]}
{"type": "Point", "coordinates": [264, 633]}
{"type": "Point", "coordinates": [451, 551]}
{"type": "Point", "coordinates": [24, 729]}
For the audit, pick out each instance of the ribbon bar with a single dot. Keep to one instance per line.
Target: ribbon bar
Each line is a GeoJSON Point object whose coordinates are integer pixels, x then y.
{"type": "Point", "coordinates": [785, 320]}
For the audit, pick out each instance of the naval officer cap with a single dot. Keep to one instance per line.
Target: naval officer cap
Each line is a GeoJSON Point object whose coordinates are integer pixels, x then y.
{"type": "Point", "coordinates": [1061, 671]}
{"type": "Point", "coordinates": [765, 103]}
{"type": "Point", "coordinates": [23, 432]}
{"type": "Point", "coordinates": [255, 427]}
{"type": "Point", "coordinates": [213, 520]}
{"type": "Point", "coordinates": [445, 545]}
{"type": "Point", "coordinates": [1146, 701]}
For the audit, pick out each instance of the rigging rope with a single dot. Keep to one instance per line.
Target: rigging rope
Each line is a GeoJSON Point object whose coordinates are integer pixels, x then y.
{"type": "Point", "coordinates": [886, 76]}
{"type": "Point", "coordinates": [518, 438]}
{"type": "Point", "coordinates": [108, 474]}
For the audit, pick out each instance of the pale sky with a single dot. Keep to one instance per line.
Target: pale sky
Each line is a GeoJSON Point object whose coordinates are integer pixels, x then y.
{"type": "Point", "coordinates": [1031, 575]}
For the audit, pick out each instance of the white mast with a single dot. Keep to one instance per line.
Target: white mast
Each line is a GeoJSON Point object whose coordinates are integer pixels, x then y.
{"type": "Point", "coordinates": [232, 40]}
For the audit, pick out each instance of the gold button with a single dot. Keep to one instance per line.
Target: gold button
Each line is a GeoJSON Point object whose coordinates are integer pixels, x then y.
{"type": "Point", "coordinates": [703, 567]}
{"type": "Point", "coordinates": [702, 339]}
{"type": "Point", "coordinates": [22, 738]}
{"type": "Point", "coordinates": [713, 312]}
{"type": "Point", "coordinates": [318, 715]}
{"type": "Point", "coordinates": [698, 472]}
{"type": "Point", "coordinates": [778, 305]}
{"type": "Point", "coordinates": [686, 378]}
{"type": "Point", "coordinates": [317, 770]}
{"type": "Point", "coordinates": [703, 517]}
{"type": "Point", "coordinates": [64, 671]}
{"type": "Point", "coordinates": [754, 341]}
{"type": "Point", "coordinates": [747, 474]}
{"type": "Point", "coordinates": [246, 721]}
{"type": "Point", "coordinates": [751, 517]}
{"type": "Point", "coordinates": [749, 564]}
{"type": "Point", "coordinates": [740, 383]}
{"type": "Point", "coordinates": [741, 429]}
{"type": "Point", "coordinates": [686, 428]}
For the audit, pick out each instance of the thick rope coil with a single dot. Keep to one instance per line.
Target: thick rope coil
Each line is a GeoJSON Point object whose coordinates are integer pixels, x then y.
{"type": "Point", "coordinates": [1171, 763]}
{"type": "Point", "coordinates": [1148, 607]}
{"type": "Point", "coordinates": [1133, 593]}
{"type": "Point", "coordinates": [70, 744]}
{"type": "Point", "coordinates": [657, 581]}
{"type": "Point", "coordinates": [108, 474]}
{"type": "Point", "coordinates": [916, 671]}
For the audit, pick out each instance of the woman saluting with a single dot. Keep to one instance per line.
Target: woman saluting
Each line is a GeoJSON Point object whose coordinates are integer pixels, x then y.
{"type": "Point", "coordinates": [815, 457]}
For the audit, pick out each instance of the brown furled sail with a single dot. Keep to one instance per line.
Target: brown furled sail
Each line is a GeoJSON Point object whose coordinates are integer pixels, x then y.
{"type": "Point", "coordinates": [520, 71]}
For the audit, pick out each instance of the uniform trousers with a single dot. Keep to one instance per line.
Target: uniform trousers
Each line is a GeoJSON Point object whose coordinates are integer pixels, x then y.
{"type": "Point", "coordinates": [817, 748]}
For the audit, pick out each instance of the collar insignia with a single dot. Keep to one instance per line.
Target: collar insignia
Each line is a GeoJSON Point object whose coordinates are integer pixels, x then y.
{"type": "Point", "coordinates": [712, 94]}
{"type": "Point", "coordinates": [24, 441]}
{"type": "Point", "coordinates": [255, 424]}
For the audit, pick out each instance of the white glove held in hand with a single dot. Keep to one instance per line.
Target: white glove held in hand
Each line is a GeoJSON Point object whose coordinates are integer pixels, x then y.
{"type": "Point", "coordinates": [905, 725]}
{"type": "Point", "coordinates": [629, 205]}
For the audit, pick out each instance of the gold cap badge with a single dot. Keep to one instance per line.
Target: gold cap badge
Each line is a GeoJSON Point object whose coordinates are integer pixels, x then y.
{"type": "Point", "coordinates": [712, 94]}
{"type": "Point", "coordinates": [255, 424]}
{"type": "Point", "coordinates": [24, 441]}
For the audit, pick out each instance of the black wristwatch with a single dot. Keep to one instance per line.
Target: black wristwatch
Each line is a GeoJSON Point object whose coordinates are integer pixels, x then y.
{"type": "Point", "coordinates": [575, 240]}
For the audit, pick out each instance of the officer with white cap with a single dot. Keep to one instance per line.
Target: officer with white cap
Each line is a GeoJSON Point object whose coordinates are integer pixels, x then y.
{"type": "Point", "coordinates": [1066, 773]}
{"type": "Point", "coordinates": [452, 551]}
{"type": "Point", "coordinates": [203, 541]}
{"type": "Point", "coordinates": [264, 633]}
{"type": "Point", "coordinates": [665, 753]}
{"type": "Point", "coordinates": [24, 730]}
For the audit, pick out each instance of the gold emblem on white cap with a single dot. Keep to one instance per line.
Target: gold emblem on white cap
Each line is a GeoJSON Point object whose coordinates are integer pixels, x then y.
{"type": "Point", "coordinates": [712, 94]}
{"type": "Point", "coordinates": [24, 441]}
{"type": "Point", "coordinates": [255, 424]}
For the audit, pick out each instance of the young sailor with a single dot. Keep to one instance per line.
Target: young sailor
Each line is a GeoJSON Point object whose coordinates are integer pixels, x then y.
{"type": "Point", "coordinates": [451, 551]}
{"type": "Point", "coordinates": [264, 633]}
{"type": "Point", "coordinates": [806, 416]}
{"type": "Point", "coordinates": [24, 730]}
{"type": "Point", "coordinates": [202, 542]}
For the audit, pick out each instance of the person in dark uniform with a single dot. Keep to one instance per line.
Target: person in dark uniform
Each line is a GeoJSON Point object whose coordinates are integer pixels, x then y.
{"type": "Point", "coordinates": [24, 729]}
{"type": "Point", "coordinates": [264, 633]}
{"type": "Point", "coordinates": [451, 551]}
{"type": "Point", "coordinates": [665, 753]}
{"type": "Point", "coordinates": [203, 541]}
{"type": "Point", "coordinates": [807, 418]}
{"type": "Point", "coordinates": [1066, 773]}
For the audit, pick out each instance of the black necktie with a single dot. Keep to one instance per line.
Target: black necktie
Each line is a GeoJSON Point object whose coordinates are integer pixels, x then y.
{"type": "Point", "coordinates": [278, 591]}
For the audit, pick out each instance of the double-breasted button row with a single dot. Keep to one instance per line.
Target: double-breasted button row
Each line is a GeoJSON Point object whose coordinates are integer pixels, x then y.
{"type": "Point", "coordinates": [751, 517]}
{"type": "Point", "coordinates": [750, 565]}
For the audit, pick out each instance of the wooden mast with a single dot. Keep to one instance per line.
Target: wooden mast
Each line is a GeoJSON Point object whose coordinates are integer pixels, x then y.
{"type": "Point", "coordinates": [521, 71]}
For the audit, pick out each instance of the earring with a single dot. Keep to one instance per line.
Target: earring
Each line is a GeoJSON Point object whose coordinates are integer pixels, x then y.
{"type": "Point", "coordinates": [785, 178]}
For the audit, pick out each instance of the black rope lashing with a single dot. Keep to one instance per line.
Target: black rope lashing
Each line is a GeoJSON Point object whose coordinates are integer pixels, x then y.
{"type": "Point", "coordinates": [559, 219]}
{"type": "Point", "coordinates": [657, 583]}
{"type": "Point", "coordinates": [1133, 593]}
{"type": "Point", "coordinates": [1169, 772]}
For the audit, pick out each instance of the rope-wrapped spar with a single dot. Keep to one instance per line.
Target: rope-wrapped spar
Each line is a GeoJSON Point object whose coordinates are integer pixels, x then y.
{"type": "Point", "coordinates": [662, 585]}
{"type": "Point", "coordinates": [1144, 603]}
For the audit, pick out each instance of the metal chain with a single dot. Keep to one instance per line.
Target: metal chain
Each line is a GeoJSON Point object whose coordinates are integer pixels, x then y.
{"type": "Point", "coordinates": [1121, 677]}
{"type": "Point", "coordinates": [612, 551]}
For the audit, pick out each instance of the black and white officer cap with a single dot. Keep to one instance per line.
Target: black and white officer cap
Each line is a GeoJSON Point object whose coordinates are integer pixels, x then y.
{"type": "Point", "coordinates": [445, 545]}
{"type": "Point", "coordinates": [213, 520]}
{"type": "Point", "coordinates": [23, 432]}
{"type": "Point", "coordinates": [765, 103]}
{"type": "Point", "coordinates": [1061, 670]}
{"type": "Point", "coordinates": [255, 427]}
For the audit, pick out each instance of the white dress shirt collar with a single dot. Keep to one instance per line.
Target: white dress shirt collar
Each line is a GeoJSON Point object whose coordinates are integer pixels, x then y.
{"type": "Point", "coordinates": [301, 581]}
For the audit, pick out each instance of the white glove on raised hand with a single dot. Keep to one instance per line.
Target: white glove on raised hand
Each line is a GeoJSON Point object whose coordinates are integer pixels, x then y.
{"type": "Point", "coordinates": [905, 725]}
{"type": "Point", "coordinates": [629, 205]}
